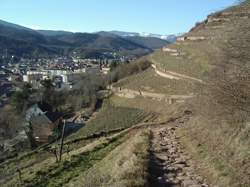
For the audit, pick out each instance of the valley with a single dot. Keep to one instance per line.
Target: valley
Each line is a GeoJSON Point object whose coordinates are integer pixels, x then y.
{"type": "Point", "coordinates": [175, 116]}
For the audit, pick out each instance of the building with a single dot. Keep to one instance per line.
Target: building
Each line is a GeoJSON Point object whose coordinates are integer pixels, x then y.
{"type": "Point", "coordinates": [105, 70]}
{"type": "Point", "coordinates": [37, 76]}
{"type": "Point", "coordinates": [43, 121]}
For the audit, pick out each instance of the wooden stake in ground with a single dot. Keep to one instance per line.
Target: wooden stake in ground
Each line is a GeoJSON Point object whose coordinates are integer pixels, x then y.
{"type": "Point", "coordinates": [19, 175]}
{"type": "Point", "coordinates": [62, 138]}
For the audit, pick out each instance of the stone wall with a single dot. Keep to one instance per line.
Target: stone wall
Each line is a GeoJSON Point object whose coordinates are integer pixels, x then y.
{"type": "Point", "coordinates": [130, 94]}
{"type": "Point", "coordinates": [191, 38]}
{"type": "Point", "coordinates": [166, 49]}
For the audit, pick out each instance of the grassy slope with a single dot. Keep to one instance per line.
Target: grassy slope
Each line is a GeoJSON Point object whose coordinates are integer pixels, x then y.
{"type": "Point", "coordinates": [151, 82]}
{"type": "Point", "coordinates": [116, 160]}
{"type": "Point", "coordinates": [120, 159]}
{"type": "Point", "coordinates": [40, 165]}
{"type": "Point", "coordinates": [50, 173]}
{"type": "Point", "coordinates": [124, 166]}
{"type": "Point", "coordinates": [111, 117]}
{"type": "Point", "coordinates": [220, 147]}
{"type": "Point", "coordinates": [198, 57]}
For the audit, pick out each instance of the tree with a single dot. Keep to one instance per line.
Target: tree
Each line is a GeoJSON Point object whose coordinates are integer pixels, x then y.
{"type": "Point", "coordinates": [20, 99]}
{"type": "Point", "coordinates": [113, 65]}
{"type": "Point", "coordinates": [48, 91]}
{"type": "Point", "coordinates": [10, 121]}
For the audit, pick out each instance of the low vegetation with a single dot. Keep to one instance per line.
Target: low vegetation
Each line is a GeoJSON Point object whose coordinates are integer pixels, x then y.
{"type": "Point", "coordinates": [125, 70]}
{"type": "Point", "coordinates": [108, 152]}
{"type": "Point", "coordinates": [146, 81]}
{"type": "Point", "coordinates": [111, 117]}
{"type": "Point", "coordinates": [124, 166]}
{"type": "Point", "coordinates": [50, 173]}
{"type": "Point", "coordinates": [220, 130]}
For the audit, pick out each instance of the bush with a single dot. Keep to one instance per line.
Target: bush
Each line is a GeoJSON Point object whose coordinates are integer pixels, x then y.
{"type": "Point", "coordinates": [125, 70]}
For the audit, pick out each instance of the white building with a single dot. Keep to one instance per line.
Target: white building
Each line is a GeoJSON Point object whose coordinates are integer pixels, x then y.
{"type": "Point", "coordinates": [46, 74]}
{"type": "Point", "coordinates": [25, 78]}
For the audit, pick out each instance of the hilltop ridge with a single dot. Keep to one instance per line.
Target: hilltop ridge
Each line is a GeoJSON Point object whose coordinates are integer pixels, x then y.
{"type": "Point", "coordinates": [23, 41]}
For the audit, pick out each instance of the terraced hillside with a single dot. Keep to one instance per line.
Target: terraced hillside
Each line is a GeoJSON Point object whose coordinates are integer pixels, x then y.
{"type": "Point", "coordinates": [217, 134]}
{"type": "Point", "coordinates": [112, 117]}
{"type": "Point", "coordinates": [30, 169]}
{"type": "Point", "coordinates": [146, 141]}
{"type": "Point", "coordinates": [47, 172]}
{"type": "Point", "coordinates": [149, 81]}
{"type": "Point", "coordinates": [198, 51]}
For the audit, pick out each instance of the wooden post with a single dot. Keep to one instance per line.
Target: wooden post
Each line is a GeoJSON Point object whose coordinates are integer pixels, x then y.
{"type": "Point", "coordinates": [68, 150]}
{"type": "Point", "coordinates": [54, 151]}
{"type": "Point", "coordinates": [19, 175]}
{"type": "Point", "coordinates": [62, 138]}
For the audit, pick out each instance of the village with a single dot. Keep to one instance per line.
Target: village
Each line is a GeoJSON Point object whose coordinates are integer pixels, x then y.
{"type": "Point", "coordinates": [41, 116]}
{"type": "Point", "coordinates": [62, 70]}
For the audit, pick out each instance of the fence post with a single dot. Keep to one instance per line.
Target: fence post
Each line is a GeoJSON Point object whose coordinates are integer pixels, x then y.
{"type": "Point", "coordinates": [62, 138]}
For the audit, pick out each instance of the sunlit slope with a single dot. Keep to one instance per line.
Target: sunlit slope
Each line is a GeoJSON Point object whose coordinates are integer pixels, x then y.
{"type": "Point", "coordinates": [197, 52]}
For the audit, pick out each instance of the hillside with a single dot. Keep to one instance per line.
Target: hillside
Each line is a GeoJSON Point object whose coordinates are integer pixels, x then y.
{"type": "Point", "coordinates": [217, 134]}
{"type": "Point", "coordinates": [53, 33]}
{"type": "Point", "coordinates": [22, 41]}
{"type": "Point", "coordinates": [183, 122]}
{"type": "Point", "coordinates": [150, 42]}
{"type": "Point", "coordinates": [198, 51]}
{"type": "Point", "coordinates": [211, 64]}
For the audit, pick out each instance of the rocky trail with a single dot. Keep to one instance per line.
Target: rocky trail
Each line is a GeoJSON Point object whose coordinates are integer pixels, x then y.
{"type": "Point", "coordinates": [170, 165]}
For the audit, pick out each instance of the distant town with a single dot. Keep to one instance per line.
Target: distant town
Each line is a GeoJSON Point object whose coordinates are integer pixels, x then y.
{"type": "Point", "coordinates": [61, 70]}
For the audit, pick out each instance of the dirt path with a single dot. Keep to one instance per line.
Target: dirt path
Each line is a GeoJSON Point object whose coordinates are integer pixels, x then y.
{"type": "Point", "coordinates": [128, 93]}
{"type": "Point", "coordinates": [173, 75]}
{"type": "Point", "coordinates": [170, 166]}
{"type": "Point", "coordinates": [165, 75]}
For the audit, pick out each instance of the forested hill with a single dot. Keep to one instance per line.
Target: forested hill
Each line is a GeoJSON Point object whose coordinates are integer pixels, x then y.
{"type": "Point", "coordinates": [22, 41]}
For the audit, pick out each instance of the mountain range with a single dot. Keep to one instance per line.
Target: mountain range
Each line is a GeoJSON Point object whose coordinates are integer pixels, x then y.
{"type": "Point", "coordinates": [170, 38]}
{"type": "Point", "coordinates": [26, 42]}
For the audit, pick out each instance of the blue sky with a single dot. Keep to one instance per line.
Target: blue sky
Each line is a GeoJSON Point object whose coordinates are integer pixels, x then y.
{"type": "Point", "coordinates": [155, 16]}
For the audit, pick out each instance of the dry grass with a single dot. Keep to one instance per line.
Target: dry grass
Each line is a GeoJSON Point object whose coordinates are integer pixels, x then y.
{"type": "Point", "coordinates": [200, 57]}
{"type": "Point", "coordinates": [111, 117]}
{"type": "Point", "coordinates": [149, 81]}
{"type": "Point", "coordinates": [223, 151]}
{"type": "Point", "coordinates": [50, 173]}
{"type": "Point", "coordinates": [125, 166]}
{"type": "Point", "coordinates": [218, 135]}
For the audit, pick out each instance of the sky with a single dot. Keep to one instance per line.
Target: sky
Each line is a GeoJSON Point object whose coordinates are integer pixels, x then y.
{"type": "Point", "coordinates": [150, 16]}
